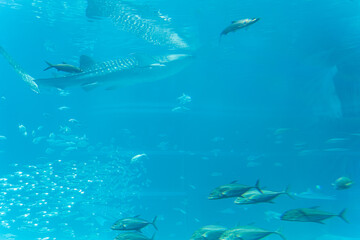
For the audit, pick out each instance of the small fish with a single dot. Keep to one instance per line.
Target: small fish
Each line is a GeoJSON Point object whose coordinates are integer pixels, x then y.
{"type": "Point", "coordinates": [64, 67]}
{"type": "Point", "coordinates": [236, 25]}
{"type": "Point", "coordinates": [132, 223]}
{"type": "Point", "coordinates": [136, 158]}
{"type": "Point", "coordinates": [232, 189]}
{"type": "Point", "coordinates": [310, 215]}
{"type": "Point", "coordinates": [342, 183]}
{"type": "Point", "coordinates": [22, 130]}
{"type": "Point", "coordinates": [62, 108]}
{"type": "Point", "coordinates": [72, 120]}
{"type": "Point", "coordinates": [248, 233]}
{"type": "Point", "coordinates": [209, 232]}
{"type": "Point", "coordinates": [184, 99]}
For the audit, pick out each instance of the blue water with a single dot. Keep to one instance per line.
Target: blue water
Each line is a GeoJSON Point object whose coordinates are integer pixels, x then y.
{"type": "Point", "coordinates": [278, 102]}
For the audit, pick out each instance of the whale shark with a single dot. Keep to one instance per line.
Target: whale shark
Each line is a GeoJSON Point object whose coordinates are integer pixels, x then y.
{"type": "Point", "coordinates": [111, 74]}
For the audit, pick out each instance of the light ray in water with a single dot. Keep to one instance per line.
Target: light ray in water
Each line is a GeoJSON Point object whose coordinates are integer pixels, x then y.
{"type": "Point", "coordinates": [126, 16]}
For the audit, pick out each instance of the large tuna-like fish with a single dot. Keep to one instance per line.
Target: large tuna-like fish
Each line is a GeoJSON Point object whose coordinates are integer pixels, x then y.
{"type": "Point", "coordinates": [248, 233]}
{"type": "Point", "coordinates": [132, 223]}
{"type": "Point", "coordinates": [254, 196]}
{"type": "Point", "coordinates": [232, 189]}
{"type": "Point", "coordinates": [311, 215]}
{"type": "Point", "coordinates": [110, 74]}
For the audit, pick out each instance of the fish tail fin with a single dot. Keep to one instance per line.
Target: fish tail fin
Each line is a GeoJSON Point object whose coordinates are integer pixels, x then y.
{"type": "Point", "coordinates": [153, 236]}
{"type": "Point", "coordinates": [220, 38]}
{"type": "Point", "coordinates": [153, 223]}
{"type": "Point", "coordinates": [342, 215]}
{"type": "Point", "coordinates": [279, 232]}
{"type": "Point", "coordinates": [50, 66]}
{"type": "Point", "coordinates": [25, 77]}
{"type": "Point", "coordinates": [257, 186]}
{"type": "Point", "coordinates": [287, 192]}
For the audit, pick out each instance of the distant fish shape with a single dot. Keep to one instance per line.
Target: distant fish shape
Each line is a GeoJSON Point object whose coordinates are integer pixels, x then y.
{"type": "Point", "coordinates": [138, 157]}
{"type": "Point", "coordinates": [64, 67]}
{"type": "Point", "coordinates": [239, 24]}
{"type": "Point", "coordinates": [342, 183]}
{"type": "Point", "coordinates": [311, 215]}
{"type": "Point", "coordinates": [132, 223]}
{"type": "Point", "coordinates": [309, 194]}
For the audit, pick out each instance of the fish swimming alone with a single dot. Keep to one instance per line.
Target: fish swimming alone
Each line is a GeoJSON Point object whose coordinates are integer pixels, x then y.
{"type": "Point", "coordinates": [236, 25]}
{"type": "Point", "coordinates": [310, 215]}
{"type": "Point", "coordinates": [110, 74]}
{"type": "Point", "coordinates": [232, 189]}
{"type": "Point", "coordinates": [132, 223]}
{"type": "Point", "coordinates": [248, 233]}
{"type": "Point", "coordinates": [342, 183]}
{"type": "Point", "coordinates": [64, 67]}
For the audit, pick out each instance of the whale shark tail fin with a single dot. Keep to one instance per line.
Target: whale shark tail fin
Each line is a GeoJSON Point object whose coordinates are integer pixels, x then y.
{"type": "Point", "coordinates": [26, 77]}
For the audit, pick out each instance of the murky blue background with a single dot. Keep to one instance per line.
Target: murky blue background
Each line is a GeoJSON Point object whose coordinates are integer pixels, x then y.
{"type": "Point", "coordinates": [278, 102]}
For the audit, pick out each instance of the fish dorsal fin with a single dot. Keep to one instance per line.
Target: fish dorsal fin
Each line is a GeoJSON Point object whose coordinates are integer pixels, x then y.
{"type": "Point", "coordinates": [86, 62]}
{"type": "Point", "coordinates": [136, 216]}
{"type": "Point", "coordinates": [314, 207]}
{"type": "Point", "coordinates": [64, 62]}
{"type": "Point", "coordinates": [235, 181]}
{"type": "Point", "coordinates": [232, 22]}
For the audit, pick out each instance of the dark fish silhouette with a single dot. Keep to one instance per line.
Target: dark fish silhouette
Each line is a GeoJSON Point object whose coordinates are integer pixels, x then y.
{"type": "Point", "coordinates": [64, 67]}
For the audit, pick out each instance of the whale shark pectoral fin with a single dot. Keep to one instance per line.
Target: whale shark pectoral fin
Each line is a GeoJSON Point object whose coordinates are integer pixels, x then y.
{"type": "Point", "coordinates": [86, 62]}
{"type": "Point", "coordinates": [90, 86]}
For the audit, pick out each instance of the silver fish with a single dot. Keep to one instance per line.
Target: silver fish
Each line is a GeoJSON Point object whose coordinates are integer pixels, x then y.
{"type": "Point", "coordinates": [252, 197]}
{"type": "Point", "coordinates": [236, 25]}
{"type": "Point", "coordinates": [132, 223]}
